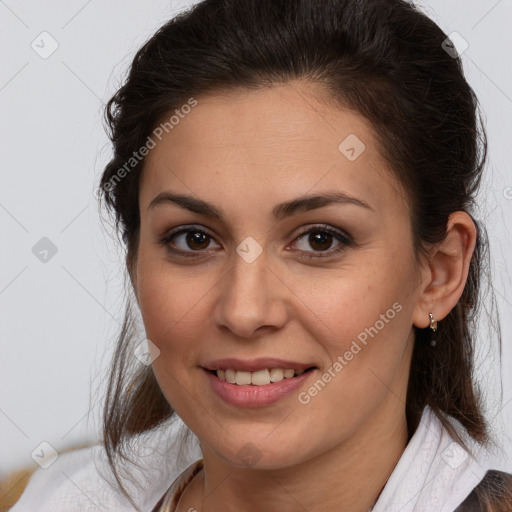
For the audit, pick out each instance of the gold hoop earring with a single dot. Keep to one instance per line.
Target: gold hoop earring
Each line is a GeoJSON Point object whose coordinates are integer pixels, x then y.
{"type": "Point", "coordinates": [433, 326]}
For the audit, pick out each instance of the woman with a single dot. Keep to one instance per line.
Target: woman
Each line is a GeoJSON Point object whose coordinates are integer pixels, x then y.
{"type": "Point", "coordinates": [294, 184]}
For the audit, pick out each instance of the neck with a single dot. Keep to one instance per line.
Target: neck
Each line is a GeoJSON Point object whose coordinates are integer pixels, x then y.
{"type": "Point", "coordinates": [347, 478]}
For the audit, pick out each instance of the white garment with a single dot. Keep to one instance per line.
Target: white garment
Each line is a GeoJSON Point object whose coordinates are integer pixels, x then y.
{"type": "Point", "coordinates": [433, 473]}
{"type": "Point", "coordinates": [81, 480]}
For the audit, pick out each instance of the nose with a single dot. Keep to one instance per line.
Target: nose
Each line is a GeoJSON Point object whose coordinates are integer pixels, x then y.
{"type": "Point", "coordinates": [252, 298]}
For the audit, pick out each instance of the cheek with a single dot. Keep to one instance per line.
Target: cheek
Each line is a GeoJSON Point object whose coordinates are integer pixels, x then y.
{"type": "Point", "coordinates": [367, 363]}
{"type": "Point", "coordinates": [362, 320]}
{"type": "Point", "coordinates": [172, 304]}
{"type": "Point", "coordinates": [173, 312]}
{"type": "Point", "coordinates": [351, 305]}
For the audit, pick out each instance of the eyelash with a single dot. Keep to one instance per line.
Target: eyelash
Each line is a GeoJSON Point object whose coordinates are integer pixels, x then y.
{"type": "Point", "coordinates": [345, 241]}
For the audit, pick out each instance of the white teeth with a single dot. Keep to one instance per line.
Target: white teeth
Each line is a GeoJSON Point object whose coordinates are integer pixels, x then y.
{"type": "Point", "coordinates": [243, 378]}
{"type": "Point", "coordinates": [276, 375]}
{"type": "Point", "coordinates": [259, 378]}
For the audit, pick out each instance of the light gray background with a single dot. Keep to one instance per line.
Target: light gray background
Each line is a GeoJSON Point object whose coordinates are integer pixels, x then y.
{"type": "Point", "coordinates": [60, 318]}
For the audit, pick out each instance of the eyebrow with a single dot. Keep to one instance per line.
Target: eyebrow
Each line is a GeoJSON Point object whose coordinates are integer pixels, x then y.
{"type": "Point", "coordinates": [279, 212]}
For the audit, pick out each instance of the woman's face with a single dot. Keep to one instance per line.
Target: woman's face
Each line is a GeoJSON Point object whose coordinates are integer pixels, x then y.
{"type": "Point", "coordinates": [251, 283]}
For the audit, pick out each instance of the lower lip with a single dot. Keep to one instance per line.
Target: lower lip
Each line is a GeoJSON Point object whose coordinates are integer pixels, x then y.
{"type": "Point", "coordinates": [256, 396]}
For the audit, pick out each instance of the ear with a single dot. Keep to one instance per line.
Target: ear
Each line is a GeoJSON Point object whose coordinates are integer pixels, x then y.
{"type": "Point", "coordinates": [446, 270]}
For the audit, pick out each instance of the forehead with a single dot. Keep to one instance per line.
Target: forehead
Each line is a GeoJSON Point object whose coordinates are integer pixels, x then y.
{"type": "Point", "coordinates": [269, 144]}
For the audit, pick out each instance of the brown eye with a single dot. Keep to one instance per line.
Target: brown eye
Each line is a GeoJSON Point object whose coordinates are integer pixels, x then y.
{"type": "Point", "coordinates": [191, 242]}
{"type": "Point", "coordinates": [320, 239]}
{"type": "Point", "coordinates": [186, 242]}
{"type": "Point", "coordinates": [197, 240]}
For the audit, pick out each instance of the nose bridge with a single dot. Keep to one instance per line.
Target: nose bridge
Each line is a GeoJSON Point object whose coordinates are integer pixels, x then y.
{"type": "Point", "coordinates": [248, 279]}
{"type": "Point", "coordinates": [249, 294]}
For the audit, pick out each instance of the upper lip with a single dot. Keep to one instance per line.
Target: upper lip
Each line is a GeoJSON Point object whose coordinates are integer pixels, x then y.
{"type": "Point", "coordinates": [254, 365]}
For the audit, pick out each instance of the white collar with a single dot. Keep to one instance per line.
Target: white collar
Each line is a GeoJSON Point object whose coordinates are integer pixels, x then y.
{"type": "Point", "coordinates": [434, 472]}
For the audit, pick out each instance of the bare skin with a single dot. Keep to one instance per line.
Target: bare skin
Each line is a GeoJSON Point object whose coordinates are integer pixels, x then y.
{"type": "Point", "coordinates": [245, 152]}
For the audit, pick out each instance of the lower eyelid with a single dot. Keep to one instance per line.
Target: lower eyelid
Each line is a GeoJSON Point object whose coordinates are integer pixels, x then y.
{"type": "Point", "coordinates": [343, 240]}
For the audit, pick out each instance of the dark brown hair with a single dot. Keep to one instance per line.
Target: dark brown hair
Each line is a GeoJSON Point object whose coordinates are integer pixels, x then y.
{"type": "Point", "coordinates": [382, 58]}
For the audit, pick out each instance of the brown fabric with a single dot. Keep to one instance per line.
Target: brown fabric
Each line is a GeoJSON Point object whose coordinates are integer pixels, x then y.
{"type": "Point", "coordinates": [12, 488]}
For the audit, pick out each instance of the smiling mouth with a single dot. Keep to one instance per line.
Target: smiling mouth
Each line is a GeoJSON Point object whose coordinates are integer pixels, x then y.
{"type": "Point", "coordinates": [259, 378]}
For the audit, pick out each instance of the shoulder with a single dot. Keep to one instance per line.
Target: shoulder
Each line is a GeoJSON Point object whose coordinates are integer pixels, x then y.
{"type": "Point", "coordinates": [81, 480]}
{"type": "Point", "coordinates": [492, 494]}
{"type": "Point", "coordinates": [71, 483]}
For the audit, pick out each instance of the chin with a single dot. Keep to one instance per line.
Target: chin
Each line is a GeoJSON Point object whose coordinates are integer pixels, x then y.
{"type": "Point", "coordinates": [261, 452]}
